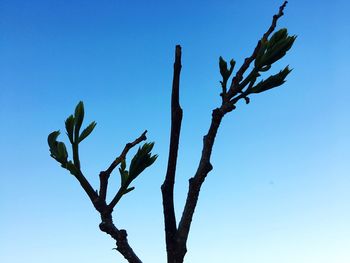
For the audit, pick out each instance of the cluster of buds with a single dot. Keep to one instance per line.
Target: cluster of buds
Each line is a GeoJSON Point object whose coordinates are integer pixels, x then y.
{"type": "Point", "coordinates": [269, 51]}
{"type": "Point", "coordinates": [142, 159]}
{"type": "Point", "coordinates": [58, 149]}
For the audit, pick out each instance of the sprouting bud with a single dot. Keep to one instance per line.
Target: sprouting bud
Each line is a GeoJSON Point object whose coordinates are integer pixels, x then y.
{"type": "Point", "coordinates": [277, 36]}
{"type": "Point", "coordinates": [142, 159]}
{"type": "Point", "coordinates": [259, 57]}
{"type": "Point", "coordinates": [278, 50]}
{"type": "Point", "coordinates": [62, 152]}
{"type": "Point", "coordinates": [70, 128]}
{"type": "Point", "coordinates": [78, 118]}
{"type": "Point", "coordinates": [271, 82]}
{"type": "Point", "coordinates": [87, 131]}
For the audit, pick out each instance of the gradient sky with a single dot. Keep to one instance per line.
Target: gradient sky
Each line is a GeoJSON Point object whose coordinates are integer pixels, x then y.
{"type": "Point", "coordinates": [279, 191]}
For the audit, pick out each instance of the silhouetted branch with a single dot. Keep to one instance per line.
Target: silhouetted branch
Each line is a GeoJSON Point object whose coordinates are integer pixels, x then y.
{"type": "Point", "coordinates": [168, 185]}
{"type": "Point", "coordinates": [87, 187]}
{"type": "Point", "coordinates": [120, 236]}
{"type": "Point", "coordinates": [196, 182]}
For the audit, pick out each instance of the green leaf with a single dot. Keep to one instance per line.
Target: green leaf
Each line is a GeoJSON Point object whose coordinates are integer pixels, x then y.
{"type": "Point", "coordinates": [70, 128]}
{"type": "Point", "coordinates": [274, 49]}
{"type": "Point", "coordinates": [86, 132]}
{"type": "Point", "coordinates": [277, 36]}
{"type": "Point", "coordinates": [124, 174]}
{"type": "Point", "coordinates": [62, 153]}
{"type": "Point", "coordinates": [141, 160]}
{"type": "Point", "coordinates": [52, 139]}
{"type": "Point", "coordinates": [78, 118]}
{"type": "Point", "coordinates": [278, 50]}
{"type": "Point", "coordinates": [58, 150]}
{"type": "Point", "coordinates": [271, 82]}
{"type": "Point", "coordinates": [53, 144]}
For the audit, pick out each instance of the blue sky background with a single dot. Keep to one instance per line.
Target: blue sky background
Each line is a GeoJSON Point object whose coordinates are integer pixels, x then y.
{"type": "Point", "coordinates": [279, 191]}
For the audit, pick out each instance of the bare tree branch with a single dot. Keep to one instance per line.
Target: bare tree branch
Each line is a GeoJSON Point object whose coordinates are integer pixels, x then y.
{"type": "Point", "coordinates": [168, 185]}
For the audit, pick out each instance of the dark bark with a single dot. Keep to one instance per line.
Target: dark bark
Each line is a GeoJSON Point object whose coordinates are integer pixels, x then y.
{"type": "Point", "coordinates": [168, 185]}
{"type": "Point", "coordinates": [196, 182]}
{"type": "Point", "coordinates": [120, 236]}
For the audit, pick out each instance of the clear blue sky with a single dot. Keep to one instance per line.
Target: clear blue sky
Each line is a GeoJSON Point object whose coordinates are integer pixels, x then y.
{"type": "Point", "coordinates": [279, 191]}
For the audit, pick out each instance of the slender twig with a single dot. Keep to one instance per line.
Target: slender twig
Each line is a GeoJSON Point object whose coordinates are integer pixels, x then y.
{"type": "Point", "coordinates": [86, 186]}
{"type": "Point", "coordinates": [104, 175]}
{"type": "Point", "coordinates": [80, 176]}
{"type": "Point", "coordinates": [168, 185]}
{"type": "Point", "coordinates": [234, 87]}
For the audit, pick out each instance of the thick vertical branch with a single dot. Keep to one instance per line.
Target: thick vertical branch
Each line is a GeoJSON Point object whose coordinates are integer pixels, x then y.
{"type": "Point", "coordinates": [168, 185]}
